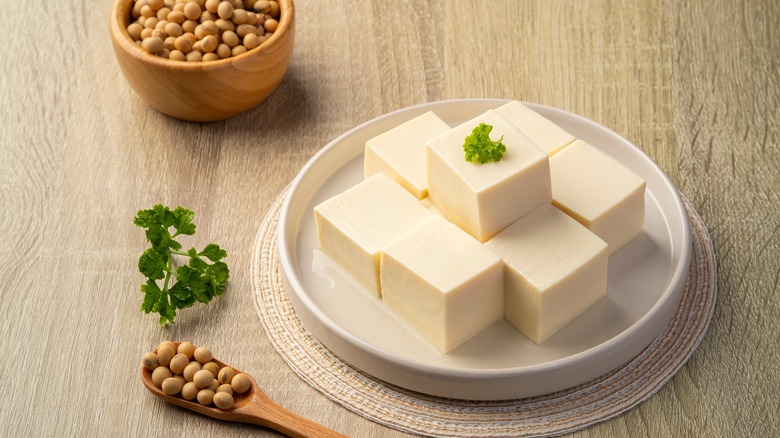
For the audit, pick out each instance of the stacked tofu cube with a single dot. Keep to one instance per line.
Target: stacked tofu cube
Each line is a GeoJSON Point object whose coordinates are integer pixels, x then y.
{"type": "Point", "coordinates": [453, 246]}
{"type": "Point", "coordinates": [483, 199]}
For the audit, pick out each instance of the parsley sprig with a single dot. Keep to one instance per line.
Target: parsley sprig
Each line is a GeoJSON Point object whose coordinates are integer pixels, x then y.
{"type": "Point", "coordinates": [197, 281]}
{"type": "Point", "coordinates": [479, 148]}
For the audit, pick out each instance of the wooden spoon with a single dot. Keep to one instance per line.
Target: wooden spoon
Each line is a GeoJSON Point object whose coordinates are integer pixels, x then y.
{"type": "Point", "coordinates": [253, 407]}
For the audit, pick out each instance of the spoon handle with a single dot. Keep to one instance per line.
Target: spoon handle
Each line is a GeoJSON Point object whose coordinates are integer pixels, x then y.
{"type": "Point", "coordinates": [265, 412]}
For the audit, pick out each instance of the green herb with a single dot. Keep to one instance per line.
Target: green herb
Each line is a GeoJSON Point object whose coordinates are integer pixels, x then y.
{"type": "Point", "coordinates": [480, 148]}
{"type": "Point", "coordinates": [197, 281]}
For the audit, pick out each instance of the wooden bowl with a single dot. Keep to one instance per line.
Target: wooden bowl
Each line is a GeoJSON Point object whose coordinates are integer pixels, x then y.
{"type": "Point", "coordinates": [204, 91]}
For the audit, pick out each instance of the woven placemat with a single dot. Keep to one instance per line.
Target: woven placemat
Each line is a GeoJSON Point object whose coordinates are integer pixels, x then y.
{"type": "Point", "coordinates": [553, 414]}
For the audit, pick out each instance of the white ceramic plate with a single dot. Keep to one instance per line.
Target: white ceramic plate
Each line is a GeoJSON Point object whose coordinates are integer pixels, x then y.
{"type": "Point", "coordinates": [646, 280]}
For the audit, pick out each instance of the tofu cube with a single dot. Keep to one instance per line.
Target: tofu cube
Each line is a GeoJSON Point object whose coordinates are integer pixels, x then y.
{"type": "Point", "coordinates": [400, 152]}
{"type": "Point", "coordinates": [548, 136]}
{"type": "Point", "coordinates": [483, 199]}
{"type": "Point", "coordinates": [599, 192]}
{"type": "Point", "coordinates": [354, 226]}
{"type": "Point", "coordinates": [444, 282]}
{"type": "Point", "coordinates": [554, 270]}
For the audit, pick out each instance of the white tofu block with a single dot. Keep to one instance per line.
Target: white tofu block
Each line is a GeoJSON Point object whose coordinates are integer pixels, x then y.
{"type": "Point", "coordinates": [599, 192]}
{"type": "Point", "coordinates": [444, 282]}
{"type": "Point", "coordinates": [548, 136]}
{"type": "Point", "coordinates": [354, 226]}
{"type": "Point", "coordinates": [554, 269]}
{"type": "Point", "coordinates": [483, 199]}
{"type": "Point", "coordinates": [400, 152]}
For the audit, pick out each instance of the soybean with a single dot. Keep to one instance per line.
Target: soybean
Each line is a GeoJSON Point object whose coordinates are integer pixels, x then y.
{"type": "Point", "coordinates": [205, 397]}
{"type": "Point", "coordinates": [239, 17]}
{"type": "Point", "coordinates": [226, 374]}
{"type": "Point", "coordinates": [230, 38]}
{"type": "Point", "coordinates": [209, 43]}
{"type": "Point", "coordinates": [165, 354]}
{"type": "Point", "coordinates": [176, 17]}
{"type": "Point", "coordinates": [274, 9]}
{"type": "Point", "coordinates": [212, 5]}
{"type": "Point", "coordinates": [171, 386]}
{"type": "Point", "coordinates": [251, 41]}
{"type": "Point", "coordinates": [178, 363]}
{"type": "Point", "coordinates": [241, 383]}
{"type": "Point", "coordinates": [166, 344]}
{"type": "Point", "coordinates": [183, 45]}
{"type": "Point", "coordinates": [262, 7]}
{"type": "Point", "coordinates": [189, 26]}
{"type": "Point", "coordinates": [173, 29]}
{"type": "Point", "coordinates": [176, 55]}
{"type": "Point", "coordinates": [225, 388]}
{"type": "Point", "coordinates": [146, 33]}
{"type": "Point", "coordinates": [225, 25]}
{"type": "Point", "coordinates": [149, 361]}
{"type": "Point", "coordinates": [238, 50]}
{"type": "Point", "coordinates": [271, 25]}
{"type": "Point", "coordinates": [192, 11]}
{"type": "Point", "coordinates": [223, 51]}
{"type": "Point", "coordinates": [203, 355]}
{"type": "Point", "coordinates": [210, 28]}
{"type": "Point", "coordinates": [245, 29]}
{"type": "Point", "coordinates": [189, 391]}
{"type": "Point", "coordinates": [159, 375]}
{"type": "Point", "coordinates": [211, 367]}
{"type": "Point", "coordinates": [225, 10]}
{"type": "Point", "coordinates": [134, 30]}
{"type": "Point", "coordinates": [190, 370]}
{"type": "Point", "coordinates": [223, 400]}
{"type": "Point", "coordinates": [203, 379]}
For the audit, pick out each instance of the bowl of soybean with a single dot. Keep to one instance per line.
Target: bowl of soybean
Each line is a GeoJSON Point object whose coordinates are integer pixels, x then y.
{"type": "Point", "coordinates": [203, 66]}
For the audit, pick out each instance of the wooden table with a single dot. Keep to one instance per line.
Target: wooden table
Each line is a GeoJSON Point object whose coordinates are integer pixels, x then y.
{"type": "Point", "coordinates": [694, 84]}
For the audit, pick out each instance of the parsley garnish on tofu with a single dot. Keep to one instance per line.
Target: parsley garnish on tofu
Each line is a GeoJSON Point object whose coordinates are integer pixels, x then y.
{"type": "Point", "coordinates": [479, 148]}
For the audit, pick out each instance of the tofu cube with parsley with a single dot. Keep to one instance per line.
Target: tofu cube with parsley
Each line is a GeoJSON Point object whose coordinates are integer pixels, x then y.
{"type": "Point", "coordinates": [484, 198]}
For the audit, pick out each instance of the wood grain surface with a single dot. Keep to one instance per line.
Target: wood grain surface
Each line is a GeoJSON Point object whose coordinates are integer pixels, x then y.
{"type": "Point", "coordinates": [696, 84]}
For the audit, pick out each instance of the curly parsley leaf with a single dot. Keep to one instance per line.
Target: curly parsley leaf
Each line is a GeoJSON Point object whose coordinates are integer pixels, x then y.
{"type": "Point", "coordinates": [196, 281]}
{"type": "Point", "coordinates": [479, 148]}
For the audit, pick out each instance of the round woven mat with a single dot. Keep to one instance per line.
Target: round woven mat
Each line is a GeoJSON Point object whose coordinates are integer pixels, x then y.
{"type": "Point", "coordinates": [553, 414]}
